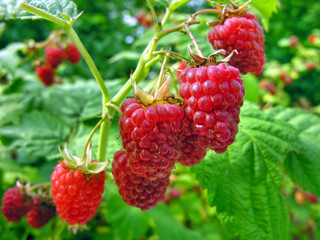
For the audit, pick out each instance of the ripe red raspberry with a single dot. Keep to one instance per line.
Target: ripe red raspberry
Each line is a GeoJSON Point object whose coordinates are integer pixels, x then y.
{"type": "Point", "coordinates": [41, 213]}
{"type": "Point", "coordinates": [45, 74]}
{"type": "Point", "coordinates": [76, 195]}
{"type": "Point", "coordinates": [150, 135]}
{"type": "Point", "coordinates": [72, 53]}
{"type": "Point", "coordinates": [212, 97]}
{"type": "Point", "coordinates": [181, 66]}
{"type": "Point", "coordinates": [136, 190]}
{"type": "Point", "coordinates": [15, 204]}
{"type": "Point", "coordinates": [53, 55]}
{"type": "Point", "coordinates": [312, 198]}
{"type": "Point", "coordinates": [246, 36]}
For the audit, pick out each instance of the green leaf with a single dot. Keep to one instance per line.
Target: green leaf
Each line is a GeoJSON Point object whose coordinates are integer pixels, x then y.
{"type": "Point", "coordinates": [10, 109]}
{"type": "Point", "coordinates": [177, 3]}
{"type": "Point", "coordinates": [245, 182]}
{"type": "Point", "coordinates": [266, 8]}
{"type": "Point", "coordinates": [125, 55]}
{"type": "Point", "coordinates": [128, 222]}
{"type": "Point", "coordinates": [168, 227]}
{"type": "Point", "coordinates": [63, 12]}
{"type": "Point", "coordinates": [8, 8]}
{"type": "Point", "coordinates": [38, 135]}
{"type": "Point", "coordinates": [303, 166]}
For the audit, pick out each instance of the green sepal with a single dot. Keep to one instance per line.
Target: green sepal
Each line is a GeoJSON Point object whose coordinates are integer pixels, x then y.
{"type": "Point", "coordinates": [86, 166]}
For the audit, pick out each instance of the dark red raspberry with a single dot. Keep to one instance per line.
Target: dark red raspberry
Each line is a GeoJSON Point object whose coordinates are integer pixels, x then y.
{"type": "Point", "coordinates": [54, 55]}
{"type": "Point", "coordinates": [212, 97]}
{"type": "Point", "coordinates": [15, 204]}
{"type": "Point", "coordinates": [312, 198]}
{"type": "Point", "coordinates": [135, 190]}
{"type": "Point", "coordinates": [246, 36]}
{"type": "Point", "coordinates": [76, 195]}
{"type": "Point", "coordinates": [45, 74]}
{"type": "Point", "coordinates": [72, 53]}
{"type": "Point", "coordinates": [150, 135]}
{"type": "Point", "coordinates": [41, 213]}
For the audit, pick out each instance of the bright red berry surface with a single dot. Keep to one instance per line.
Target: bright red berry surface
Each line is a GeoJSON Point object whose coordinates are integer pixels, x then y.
{"type": "Point", "coordinates": [76, 195]}
{"type": "Point", "coordinates": [212, 97]}
{"type": "Point", "coordinates": [15, 205]}
{"type": "Point", "coordinates": [45, 74]}
{"type": "Point", "coordinates": [150, 135]}
{"type": "Point", "coordinates": [246, 36]}
{"type": "Point", "coordinates": [72, 53]}
{"type": "Point", "coordinates": [135, 190]}
{"type": "Point", "coordinates": [41, 213]}
{"type": "Point", "coordinates": [54, 55]}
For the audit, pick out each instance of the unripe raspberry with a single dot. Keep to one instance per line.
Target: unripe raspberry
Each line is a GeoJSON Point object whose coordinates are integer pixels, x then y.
{"type": "Point", "coordinates": [72, 53]}
{"type": "Point", "coordinates": [41, 213]}
{"type": "Point", "coordinates": [212, 97]}
{"type": "Point", "coordinates": [53, 55]}
{"type": "Point", "coordinates": [245, 35]}
{"type": "Point", "coordinates": [76, 195]}
{"type": "Point", "coordinates": [150, 135]}
{"type": "Point", "coordinates": [15, 204]}
{"type": "Point", "coordinates": [45, 74]}
{"type": "Point", "coordinates": [136, 190]}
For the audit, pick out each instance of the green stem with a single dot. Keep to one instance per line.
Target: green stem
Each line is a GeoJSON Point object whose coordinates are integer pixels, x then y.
{"type": "Point", "coordinates": [195, 43]}
{"type": "Point", "coordinates": [162, 71]}
{"type": "Point", "coordinates": [157, 27]}
{"type": "Point", "coordinates": [91, 135]}
{"type": "Point", "coordinates": [86, 56]}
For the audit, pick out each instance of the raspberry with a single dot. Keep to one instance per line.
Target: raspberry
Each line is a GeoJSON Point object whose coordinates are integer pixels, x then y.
{"type": "Point", "coordinates": [41, 213]}
{"type": "Point", "coordinates": [72, 53]}
{"type": "Point", "coordinates": [181, 66]}
{"type": "Point", "coordinates": [212, 97]}
{"type": "Point", "coordinates": [136, 190]}
{"type": "Point", "coordinates": [76, 195]}
{"type": "Point", "coordinates": [246, 36]}
{"type": "Point", "coordinates": [15, 204]}
{"type": "Point", "coordinates": [53, 55]}
{"type": "Point", "coordinates": [45, 74]}
{"type": "Point", "coordinates": [150, 135]}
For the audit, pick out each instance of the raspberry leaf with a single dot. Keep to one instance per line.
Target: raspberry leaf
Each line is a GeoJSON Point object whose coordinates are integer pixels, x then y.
{"type": "Point", "coordinates": [245, 182]}
{"type": "Point", "coordinates": [9, 8]}
{"type": "Point", "coordinates": [303, 166]}
{"type": "Point", "coordinates": [62, 12]}
{"type": "Point", "coordinates": [266, 9]}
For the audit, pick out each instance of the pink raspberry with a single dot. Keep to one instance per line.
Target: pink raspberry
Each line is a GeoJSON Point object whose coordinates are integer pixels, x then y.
{"type": "Point", "coordinates": [53, 55]}
{"type": "Point", "coordinates": [212, 97]}
{"type": "Point", "coordinates": [150, 135]}
{"type": "Point", "coordinates": [245, 35]}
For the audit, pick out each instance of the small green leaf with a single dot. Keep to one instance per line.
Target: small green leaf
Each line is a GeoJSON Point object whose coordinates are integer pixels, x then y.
{"type": "Point", "coordinates": [177, 3]}
{"type": "Point", "coordinates": [245, 182]}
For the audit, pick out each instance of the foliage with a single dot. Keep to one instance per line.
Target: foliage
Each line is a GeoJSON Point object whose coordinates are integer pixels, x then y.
{"type": "Point", "coordinates": [249, 192]}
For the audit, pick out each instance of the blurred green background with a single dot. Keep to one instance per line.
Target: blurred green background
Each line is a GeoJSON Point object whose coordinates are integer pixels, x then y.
{"type": "Point", "coordinates": [115, 38]}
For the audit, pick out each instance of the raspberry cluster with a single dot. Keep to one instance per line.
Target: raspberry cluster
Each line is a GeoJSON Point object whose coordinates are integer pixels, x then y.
{"type": "Point", "coordinates": [76, 195]}
{"type": "Point", "coordinates": [17, 203]}
{"type": "Point", "coordinates": [212, 97]}
{"type": "Point", "coordinates": [54, 56]}
{"type": "Point", "coordinates": [245, 35]}
{"type": "Point", "coordinates": [136, 190]}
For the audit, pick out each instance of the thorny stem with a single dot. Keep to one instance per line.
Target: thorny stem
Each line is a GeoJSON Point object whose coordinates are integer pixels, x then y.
{"type": "Point", "coordinates": [195, 43]}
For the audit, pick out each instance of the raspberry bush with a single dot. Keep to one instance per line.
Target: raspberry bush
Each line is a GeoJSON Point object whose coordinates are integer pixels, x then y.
{"type": "Point", "coordinates": [160, 142]}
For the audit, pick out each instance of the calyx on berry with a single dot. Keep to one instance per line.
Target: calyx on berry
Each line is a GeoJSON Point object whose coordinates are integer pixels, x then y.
{"type": "Point", "coordinates": [211, 60]}
{"type": "Point", "coordinates": [228, 12]}
{"type": "Point", "coordinates": [86, 165]}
